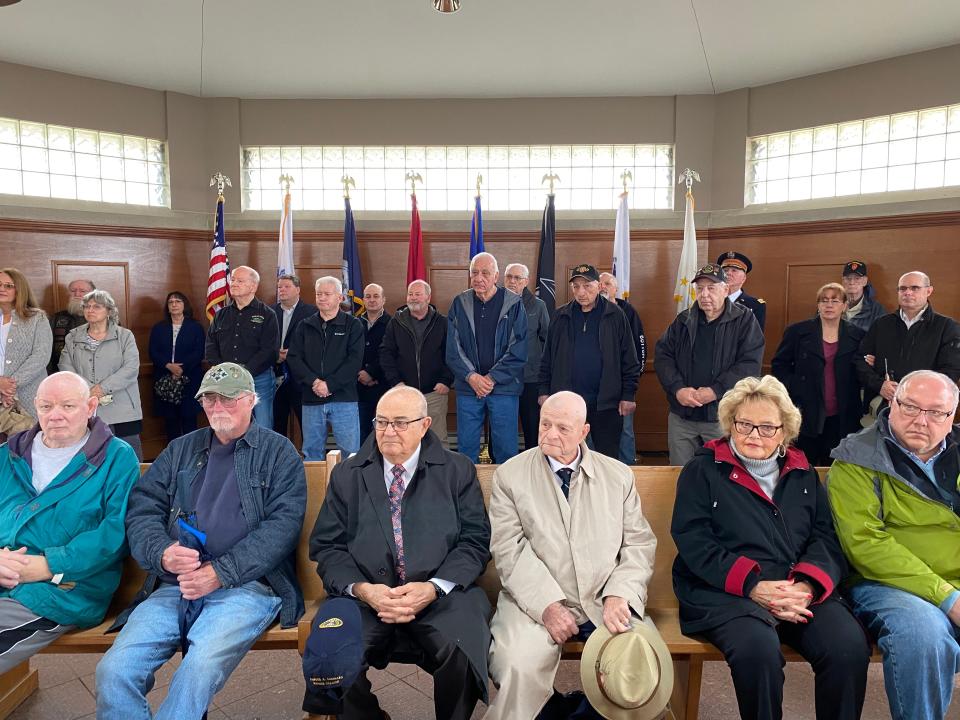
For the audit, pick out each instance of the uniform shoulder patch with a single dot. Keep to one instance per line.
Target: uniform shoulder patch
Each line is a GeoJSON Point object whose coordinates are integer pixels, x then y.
{"type": "Point", "coordinates": [761, 300]}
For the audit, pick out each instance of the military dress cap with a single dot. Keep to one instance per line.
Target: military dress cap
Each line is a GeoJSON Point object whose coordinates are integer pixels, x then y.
{"type": "Point", "coordinates": [711, 272]}
{"type": "Point", "coordinates": [227, 379]}
{"type": "Point", "coordinates": [855, 267]}
{"type": "Point", "coordinates": [732, 258]}
{"type": "Point", "coordinates": [585, 271]}
{"type": "Point", "coordinates": [333, 656]}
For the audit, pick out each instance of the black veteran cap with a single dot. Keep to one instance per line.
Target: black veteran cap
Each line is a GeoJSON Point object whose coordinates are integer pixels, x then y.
{"type": "Point", "coordinates": [585, 271]}
{"type": "Point", "coordinates": [333, 657]}
{"type": "Point", "coordinates": [855, 267]}
{"type": "Point", "coordinates": [711, 272]}
{"type": "Point", "coordinates": [735, 259]}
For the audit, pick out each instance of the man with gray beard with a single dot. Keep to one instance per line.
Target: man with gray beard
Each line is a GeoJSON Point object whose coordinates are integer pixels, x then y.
{"type": "Point", "coordinates": [66, 320]}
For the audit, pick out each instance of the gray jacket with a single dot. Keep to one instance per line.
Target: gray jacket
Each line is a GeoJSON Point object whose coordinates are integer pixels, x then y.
{"type": "Point", "coordinates": [28, 348]}
{"type": "Point", "coordinates": [538, 322]}
{"type": "Point", "coordinates": [114, 365]}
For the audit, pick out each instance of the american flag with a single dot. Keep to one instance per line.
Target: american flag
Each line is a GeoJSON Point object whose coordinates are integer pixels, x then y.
{"type": "Point", "coordinates": [218, 292]}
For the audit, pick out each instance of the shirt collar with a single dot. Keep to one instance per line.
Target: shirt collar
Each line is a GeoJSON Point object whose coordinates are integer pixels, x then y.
{"type": "Point", "coordinates": [926, 466]}
{"type": "Point", "coordinates": [409, 467]}
{"type": "Point", "coordinates": [555, 465]}
{"type": "Point", "coordinates": [911, 323]}
{"type": "Point", "coordinates": [734, 295]}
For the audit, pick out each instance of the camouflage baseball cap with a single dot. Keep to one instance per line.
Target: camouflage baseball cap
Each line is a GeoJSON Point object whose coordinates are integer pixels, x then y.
{"type": "Point", "coordinates": [227, 379]}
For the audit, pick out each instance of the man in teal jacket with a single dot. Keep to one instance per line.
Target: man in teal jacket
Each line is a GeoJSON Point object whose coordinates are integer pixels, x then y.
{"type": "Point", "coordinates": [895, 499]}
{"type": "Point", "coordinates": [63, 498]}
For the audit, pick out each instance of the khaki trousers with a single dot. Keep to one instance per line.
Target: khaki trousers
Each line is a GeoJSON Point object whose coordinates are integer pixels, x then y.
{"type": "Point", "coordinates": [437, 406]}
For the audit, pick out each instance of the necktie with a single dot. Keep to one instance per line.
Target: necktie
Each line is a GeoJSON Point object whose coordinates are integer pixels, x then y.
{"type": "Point", "coordinates": [396, 497]}
{"type": "Point", "coordinates": [564, 474]}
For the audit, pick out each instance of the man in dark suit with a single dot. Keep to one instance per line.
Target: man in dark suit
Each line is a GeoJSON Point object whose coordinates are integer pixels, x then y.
{"type": "Point", "coordinates": [290, 311]}
{"type": "Point", "coordinates": [737, 266]}
{"type": "Point", "coordinates": [403, 530]}
{"type": "Point", "coordinates": [371, 383]}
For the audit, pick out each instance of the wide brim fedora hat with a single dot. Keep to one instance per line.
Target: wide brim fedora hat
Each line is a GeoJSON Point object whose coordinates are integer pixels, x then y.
{"type": "Point", "coordinates": [628, 676]}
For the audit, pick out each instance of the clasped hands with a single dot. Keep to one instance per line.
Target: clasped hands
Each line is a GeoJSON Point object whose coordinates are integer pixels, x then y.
{"type": "Point", "coordinates": [16, 567]}
{"type": "Point", "coordinates": [396, 604]}
{"type": "Point", "coordinates": [787, 600]}
{"type": "Point", "coordinates": [320, 388]}
{"type": "Point", "coordinates": [562, 625]}
{"type": "Point", "coordinates": [695, 397]}
{"type": "Point", "coordinates": [196, 579]}
{"type": "Point", "coordinates": [482, 384]}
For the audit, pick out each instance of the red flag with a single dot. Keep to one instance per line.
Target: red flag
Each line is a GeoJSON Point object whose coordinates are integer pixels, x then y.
{"type": "Point", "coordinates": [415, 265]}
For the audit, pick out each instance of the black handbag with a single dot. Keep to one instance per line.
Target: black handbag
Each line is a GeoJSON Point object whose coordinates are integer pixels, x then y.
{"type": "Point", "coordinates": [170, 388]}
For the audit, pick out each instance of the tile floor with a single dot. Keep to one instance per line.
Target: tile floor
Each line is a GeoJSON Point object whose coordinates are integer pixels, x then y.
{"type": "Point", "coordinates": [268, 686]}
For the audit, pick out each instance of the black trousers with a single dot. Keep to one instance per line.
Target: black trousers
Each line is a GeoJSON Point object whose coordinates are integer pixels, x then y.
{"type": "Point", "coordinates": [834, 644]}
{"type": "Point", "coordinates": [530, 415]}
{"type": "Point", "coordinates": [817, 447]}
{"type": "Point", "coordinates": [605, 429]}
{"type": "Point", "coordinates": [287, 400]}
{"type": "Point", "coordinates": [179, 425]}
{"type": "Point", "coordinates": [455, 691]}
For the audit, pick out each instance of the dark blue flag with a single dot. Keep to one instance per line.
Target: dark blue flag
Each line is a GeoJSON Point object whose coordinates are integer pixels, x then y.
{"type": "Point", "coordinates": [546, 278]}
{"type": "Point", "coordinates": [352, 277]}
{"type": "Point", "coordinates": [476, 231]}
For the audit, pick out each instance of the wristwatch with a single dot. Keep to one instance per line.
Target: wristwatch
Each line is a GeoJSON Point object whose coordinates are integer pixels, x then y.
{"type": "Point", "coordinates": [440, 591]}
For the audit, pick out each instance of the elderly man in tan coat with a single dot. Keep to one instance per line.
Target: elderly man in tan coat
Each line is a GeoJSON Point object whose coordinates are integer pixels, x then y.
{"type": "Point", "coordinates": [573, 552]}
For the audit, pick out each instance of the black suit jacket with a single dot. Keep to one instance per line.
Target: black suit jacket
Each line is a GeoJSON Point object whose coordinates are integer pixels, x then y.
{"type": "Point", "coordinates": [301, 311]}
{"type": "Point", "coordinates": [446, 535]}
{"type": "Point", "coordinates": [758, 306]}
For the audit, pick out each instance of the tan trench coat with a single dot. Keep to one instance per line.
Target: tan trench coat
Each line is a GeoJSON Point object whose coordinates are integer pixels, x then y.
{"type": "Point", "coordinates": [546, 549]}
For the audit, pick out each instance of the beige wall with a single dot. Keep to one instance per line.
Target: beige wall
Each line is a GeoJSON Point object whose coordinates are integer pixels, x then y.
{"type": "Point", "coordinates": [205, 134]}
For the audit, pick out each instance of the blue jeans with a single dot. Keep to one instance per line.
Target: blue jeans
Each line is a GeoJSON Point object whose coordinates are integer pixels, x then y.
{"type": "Point", "coordinates": [919, 646]}
{"type": "Point", "coordinates": [628, 443]}
{"type": "Point", "coordinates": [504, 435]}
{"type": "Point", "coordinates": [231, 621]}
{"type": "Point", "coordinates": [265, 386]}
{"type": "Point", "coordinates": [344, 418]}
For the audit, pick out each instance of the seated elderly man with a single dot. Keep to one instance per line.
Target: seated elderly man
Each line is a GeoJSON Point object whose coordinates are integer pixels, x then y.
{"type": "Point", "coordinates": [403, 530]}
{"type": "Point", "coordinates": [894, 495]}
{"type": "Point", "coordinates": [63, 494]}
{"type": "Point", "coordinates": [573, 551]}
{"type": "Point", "coordinates": [215, 522]}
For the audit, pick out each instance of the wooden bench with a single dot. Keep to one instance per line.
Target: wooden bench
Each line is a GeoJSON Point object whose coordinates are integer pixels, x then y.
{"type": "Point", "coordinates": [656, 486]}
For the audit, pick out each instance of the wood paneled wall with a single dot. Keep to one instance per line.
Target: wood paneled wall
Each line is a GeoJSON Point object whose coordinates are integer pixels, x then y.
{"type": "Point", "coordinates": [790, 262]}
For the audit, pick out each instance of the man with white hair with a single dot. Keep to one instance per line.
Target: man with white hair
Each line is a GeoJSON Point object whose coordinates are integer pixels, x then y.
{"type": "Point", "coordinates": [487, 352]}
{"type": "Point", "coordinates": [913, 337]}
{"type": "Point", "coordinates": [246, 332]}
{"type": "Point", "coordinates": [894, 495]}
{"type": "Point", "coordinates": [63, 497]}
{"type": "Point", "coordinates": [573, 552]}
{"type": "Point", "coordinates": [63, 321]}
{"type": "Point", "coordinates": [516, 277]}
{"type": "Point", "coordinates": [326, 354]}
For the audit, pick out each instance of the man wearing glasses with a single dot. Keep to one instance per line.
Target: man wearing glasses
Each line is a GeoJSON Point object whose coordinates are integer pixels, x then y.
{"type": "Point", "coordinates": [403, 530]}
{"type": "Point", "coordinates": [240, 487]}
{"type": "Point", "coordinates": [913, 337]}
{"type": "Point", "coordinates": [894, 495]}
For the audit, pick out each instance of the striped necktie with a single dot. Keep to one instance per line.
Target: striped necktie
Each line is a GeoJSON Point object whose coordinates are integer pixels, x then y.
{"type": "Point", "coordinates": [396, 497]}
{"type": "Point", "coordinates": [564, 475]}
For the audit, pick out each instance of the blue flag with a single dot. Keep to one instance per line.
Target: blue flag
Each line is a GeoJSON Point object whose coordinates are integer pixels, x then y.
{"type": "Point", "coordinates": [352, 277]}
{"type": "Point", "coordinates": [546, 258]}
{"type": "Point", "coordinates": [476, 231]}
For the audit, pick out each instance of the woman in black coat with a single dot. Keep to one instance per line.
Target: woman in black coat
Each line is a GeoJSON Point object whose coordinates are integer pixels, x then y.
{"type": "Point", "coordinates": [176, 348]}
{"type": "Point", "coordinates": [758, 561]}
{"type": "Point", "coordinates": [817, 361]}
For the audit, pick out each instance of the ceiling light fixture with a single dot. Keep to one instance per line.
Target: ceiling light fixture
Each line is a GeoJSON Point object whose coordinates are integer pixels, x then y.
{"type": "Point", "coordinates": [446, 6]}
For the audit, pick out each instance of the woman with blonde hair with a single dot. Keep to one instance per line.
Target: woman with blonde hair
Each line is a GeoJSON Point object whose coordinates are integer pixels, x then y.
{"type": "Point", "coordinates": [25, 341]}
{"type": "Point", "coordinates": [758, 561]}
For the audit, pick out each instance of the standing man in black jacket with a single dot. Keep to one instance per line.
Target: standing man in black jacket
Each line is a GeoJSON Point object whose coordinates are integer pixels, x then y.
{"type": "Point", "coordinates": [325, 356]}
{"type": "Point", "coordinates": [370, 381]}
{"type": "Point", "coordinates": [590, 351]}
{"type": "Point", "coordinates": [702, 354]}
{"type": "Point", "coordinates": [413, 352]}
{"type": "Point", "coordinates": [290, 310]}
{"type": "Point", "coordinates": [912, 338]}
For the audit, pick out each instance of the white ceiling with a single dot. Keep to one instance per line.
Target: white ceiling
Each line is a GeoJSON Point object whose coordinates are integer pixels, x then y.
{"type": "Point", "coordinates": [491, 48]}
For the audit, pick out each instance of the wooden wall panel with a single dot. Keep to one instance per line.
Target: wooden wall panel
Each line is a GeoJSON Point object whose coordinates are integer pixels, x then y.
{"type": "Point", "coordinates": [788, 259]}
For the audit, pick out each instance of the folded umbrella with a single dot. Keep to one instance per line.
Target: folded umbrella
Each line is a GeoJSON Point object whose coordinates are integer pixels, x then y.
{"type": "Point", "coordinates": [189, 610]}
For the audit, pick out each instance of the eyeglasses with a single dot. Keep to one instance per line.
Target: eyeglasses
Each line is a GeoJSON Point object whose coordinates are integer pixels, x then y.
{"type": "Point", "coordinates": [398, 425]}
{"type": "Point", "coordinates": [911, 288]}
{"type": "Point", "coordinates": [209, 400]}
{"type": "Point", "coordinates": [8, 286]}
{"type": "Point", "coordinates": [830, 301]}
{"type": "Point", "coordinates": [765, 431]}
{"type": "Point", "coordinates": [92, 306]}
{"type": "Point", "coordinates": [936, 416]}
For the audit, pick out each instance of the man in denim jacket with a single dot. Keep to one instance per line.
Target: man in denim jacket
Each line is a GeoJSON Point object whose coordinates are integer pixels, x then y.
{"type": "Point", "coordinates": [243, 487]}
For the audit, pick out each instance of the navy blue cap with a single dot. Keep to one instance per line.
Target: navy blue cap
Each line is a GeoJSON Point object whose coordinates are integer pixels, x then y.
{"type": "Point", "coordinates": [333, 657]}
{"type": "Point", "coordinates": [735, 259]}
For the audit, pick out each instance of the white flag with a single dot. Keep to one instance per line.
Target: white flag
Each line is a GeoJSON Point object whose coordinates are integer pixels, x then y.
{"type": "Point", "coordinates": [285, 254]}
{"type": "Point", "coordinates": [621, 249]}
{"type": "Point", "coordinates": [685, 294]}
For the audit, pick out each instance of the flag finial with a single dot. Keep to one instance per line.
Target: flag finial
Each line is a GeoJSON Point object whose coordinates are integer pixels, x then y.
{"type": "Point", "coordinates": [285, 181]}
{"type": "Point", "coordinates": [624, 177]}
{"type": "Point", "coordinates": [220, 180]}
{"type": "Point", "coordinates": [479, 182]}
{"type": "Point", "coordinates": [551, 178]}
{"type": "Point", "coordinates": [347, 182]}
{"type": "Point", "coordinates": [688, 176]}
{"type": "Point", "coordinates": [414, 178]}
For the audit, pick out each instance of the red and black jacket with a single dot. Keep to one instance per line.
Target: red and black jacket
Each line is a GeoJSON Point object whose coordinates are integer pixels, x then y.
{"type": "Point", "coordinates": [730, 536]}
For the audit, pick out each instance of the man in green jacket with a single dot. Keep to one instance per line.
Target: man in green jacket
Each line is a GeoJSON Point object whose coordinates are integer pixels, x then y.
{"type": "Point", "coordinates": [894, 494]}
{"type": "Point", "coordinates": [63, 497]}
